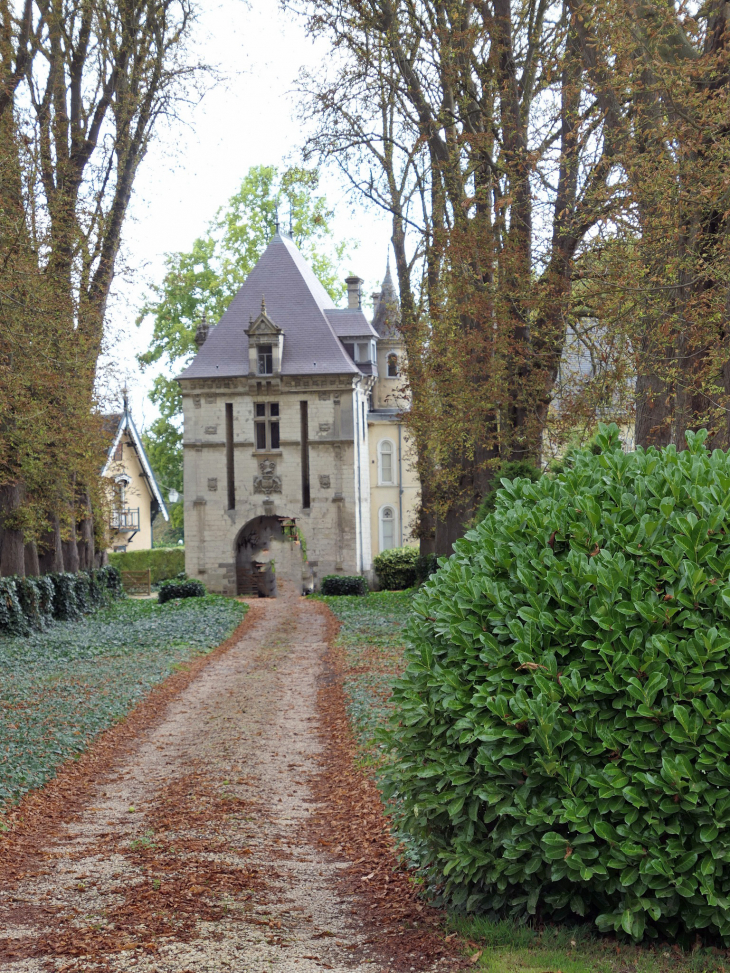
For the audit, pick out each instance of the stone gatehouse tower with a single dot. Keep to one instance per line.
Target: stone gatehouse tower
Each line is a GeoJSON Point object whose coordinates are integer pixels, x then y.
{"type": "Point", "coordinates": [279, 463]}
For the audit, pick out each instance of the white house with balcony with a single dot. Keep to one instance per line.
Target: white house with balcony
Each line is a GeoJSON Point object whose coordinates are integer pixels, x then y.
{"type": "Point", "coordinates": [135, 499]}
{"type": "Point", "coordinates": [296, 460]}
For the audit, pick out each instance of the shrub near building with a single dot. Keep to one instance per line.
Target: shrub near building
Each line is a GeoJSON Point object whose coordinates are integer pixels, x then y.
{"type": "Point", "coordinates": [396, 568]}
{"type": "Point", "coordinates": [561, 740]}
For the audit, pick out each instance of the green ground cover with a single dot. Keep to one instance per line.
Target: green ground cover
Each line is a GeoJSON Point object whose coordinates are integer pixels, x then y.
{"type": "Point", "coordinates": [62, 687]}
{"type": "Point", "coordinates": [372, 638]}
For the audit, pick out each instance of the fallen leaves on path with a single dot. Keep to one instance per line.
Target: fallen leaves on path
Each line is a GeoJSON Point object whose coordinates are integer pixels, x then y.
{"type": "Point", "coordinates": [350, 823]}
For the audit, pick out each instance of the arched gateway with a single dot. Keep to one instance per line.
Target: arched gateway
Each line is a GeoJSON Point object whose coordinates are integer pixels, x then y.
{"type": "Point", "coordinates": [268, 548]}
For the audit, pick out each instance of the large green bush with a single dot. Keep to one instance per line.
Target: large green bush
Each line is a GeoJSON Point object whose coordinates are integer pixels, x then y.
{"type": "Point", "coordinates": [164, 562]}
{"type": "Point", "coordinates": [561, 742]}
{"type": "Point", "coordinates": [396, 568]}
{"type": "Point", "coordinates": [511, 470]}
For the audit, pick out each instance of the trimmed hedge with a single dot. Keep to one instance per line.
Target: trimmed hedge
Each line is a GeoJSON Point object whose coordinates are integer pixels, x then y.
{"type": "Point", "coordinates": [181, 589]}
{"type": "Point", "coordinates": [560, 740]}
{"type": "Point", "coordinates": [396, 568]}
{"type": "Point", "coordinates": [343, 584]}
{"type": "Point", "coordinates": [32, 603]}
{"type": "Point", "coordinates": [164, 562]}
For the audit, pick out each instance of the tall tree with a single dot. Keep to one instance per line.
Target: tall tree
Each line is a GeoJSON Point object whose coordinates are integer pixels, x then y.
{"type": "Point", "coordinates": [660, 73]}
{"type": "Point", "coordinates": [82, 88]}
{"type": "Point", "coordinates": [200, 283]}
{"type": "Point", "coordinates": [513, 176]}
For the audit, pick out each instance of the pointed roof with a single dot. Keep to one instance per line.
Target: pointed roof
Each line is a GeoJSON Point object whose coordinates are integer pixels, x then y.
{"type": "Point", "coordinates": [125, 422]}
{"type": "Point", "coordinates": [295, 301]}
{"type": "Point", "coordinates": [387, 314]}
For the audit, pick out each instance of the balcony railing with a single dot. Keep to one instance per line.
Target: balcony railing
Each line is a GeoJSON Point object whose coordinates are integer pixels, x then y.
{"type": "Point", "coordinates": [125, 519]}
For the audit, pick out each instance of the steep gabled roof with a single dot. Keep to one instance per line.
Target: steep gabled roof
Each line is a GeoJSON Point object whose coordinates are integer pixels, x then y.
{"type": "Point", "coordinates": [295, 301]}
{"type": "Point", "coordinates": [126, 423]}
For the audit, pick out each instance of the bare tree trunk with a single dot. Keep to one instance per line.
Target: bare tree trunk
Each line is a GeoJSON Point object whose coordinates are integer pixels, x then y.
{"type": "Point", "coordinates": [50, 559]}
{"type": "Point", "coordinates": [71, 549]}
{"type": "Point", "coordinates": [12, 557]}
{"type": "Point", "coordinates": [32, 567]}
{"type": "Point", "coordinates": [86, 541]}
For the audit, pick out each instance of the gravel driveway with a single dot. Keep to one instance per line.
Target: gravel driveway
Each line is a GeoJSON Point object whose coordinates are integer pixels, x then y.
{"type": "Point", "coordinates": [190, 853]}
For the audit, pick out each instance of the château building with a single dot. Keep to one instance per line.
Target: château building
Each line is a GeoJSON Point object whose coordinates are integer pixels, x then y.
{"type": "Point", "coordinates": [296, 461]}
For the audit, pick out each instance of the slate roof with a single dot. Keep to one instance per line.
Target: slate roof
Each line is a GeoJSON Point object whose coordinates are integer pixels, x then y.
{"type": "Point", "coordinates": [350, 323]}
{"type": "Point", "coordinates": [295, 301]}
{"type": "Point", "coordinates": [387, 313]}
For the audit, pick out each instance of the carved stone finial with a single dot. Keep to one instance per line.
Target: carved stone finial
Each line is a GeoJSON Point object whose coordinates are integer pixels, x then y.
{"type": "Point", "coordinates": [202, 331]}
{"type": "Point", "coordinates": [263, 304]}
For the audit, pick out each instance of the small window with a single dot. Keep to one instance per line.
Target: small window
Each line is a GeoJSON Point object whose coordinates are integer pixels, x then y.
{"type": "Point", "coordinates": [392, 365]}
{"type": "Point", "coordinates": [387, 529]}
{"type": "Point", "coordinates": [363, 352]}
{"type": "Point", "coordinates": [267, 425]}
{"type": "Point", "coordinates": [266, 360]}
{"type": "Point", "coordinates": [260, 435]}
{"type": "Point", "coordinates": [385, 455]}
{"type": "Point", "coordinates": [119, 453]}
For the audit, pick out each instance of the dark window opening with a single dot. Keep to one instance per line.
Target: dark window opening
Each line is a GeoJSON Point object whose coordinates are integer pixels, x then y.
{"type": "Point", "coordinates": [267, 425]}
{"type": "Point", "coordinates": [350, 349]}
{"type": "Point", "coordinates": [304, 432]}
{"type": "Point", "coordinates": [260, 435]}
{"type": "Point", "coordinates": [119, 453]}
{"type": "Point", "coordinates": [392, 365]}
{"type": "Point", "coordinates": [266, 360]}
{"type": "Point", "coordinates": [230, 472]}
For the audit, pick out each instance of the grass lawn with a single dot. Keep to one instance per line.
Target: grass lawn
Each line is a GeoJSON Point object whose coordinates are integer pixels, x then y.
{"type": "Point", "coordinates": [61, 687]}
{"type": "Point", "coordinates": [372, 638]}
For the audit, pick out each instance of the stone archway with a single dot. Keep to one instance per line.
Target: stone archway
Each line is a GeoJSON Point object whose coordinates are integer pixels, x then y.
{"type": "Point", "coordinates": [268, 549]}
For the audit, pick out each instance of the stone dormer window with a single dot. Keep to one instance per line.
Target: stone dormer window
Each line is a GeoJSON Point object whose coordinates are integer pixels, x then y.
{"type": "Point", "coordinates": [265, 345]}
{"type": "Point", "coordinates": [362, 352]}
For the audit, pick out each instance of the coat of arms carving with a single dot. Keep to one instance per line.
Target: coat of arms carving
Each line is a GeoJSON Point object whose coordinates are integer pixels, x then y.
{"type": "Point", "coordinates": [268, 481]}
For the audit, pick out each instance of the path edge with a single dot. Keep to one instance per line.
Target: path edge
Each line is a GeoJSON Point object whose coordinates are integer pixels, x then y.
{"type": "Point", "coordinates": [42, 813]}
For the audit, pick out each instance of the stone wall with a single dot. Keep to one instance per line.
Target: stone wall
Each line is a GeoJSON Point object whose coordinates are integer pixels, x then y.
{"type": "Point", "coordinates": [329, 526]}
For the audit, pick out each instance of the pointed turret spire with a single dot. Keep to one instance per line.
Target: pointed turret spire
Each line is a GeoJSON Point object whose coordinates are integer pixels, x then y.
{"type": "Point", "coordinates": [387, 307]}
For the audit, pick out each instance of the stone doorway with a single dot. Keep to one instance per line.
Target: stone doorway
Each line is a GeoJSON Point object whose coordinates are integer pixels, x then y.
{"type": "Point", "coordinates": [268, 549]}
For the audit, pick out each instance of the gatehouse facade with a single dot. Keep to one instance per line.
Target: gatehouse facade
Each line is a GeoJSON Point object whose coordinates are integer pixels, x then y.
{"type": "Point", "coordinates": [296, 460]}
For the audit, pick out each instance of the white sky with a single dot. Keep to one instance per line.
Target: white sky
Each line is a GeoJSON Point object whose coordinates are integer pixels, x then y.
{"type": "Point", "coordinates": [196, 164]}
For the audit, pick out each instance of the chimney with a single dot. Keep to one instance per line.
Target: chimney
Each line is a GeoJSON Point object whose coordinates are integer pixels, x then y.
{"type": "Point", "coordinates": [354, 294]}
{"type": "Point", "coordinates": [376, 295]}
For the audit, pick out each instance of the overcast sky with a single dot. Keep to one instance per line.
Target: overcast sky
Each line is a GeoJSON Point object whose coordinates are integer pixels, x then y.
{"type": "Point", "coordinates": [198, 163]}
